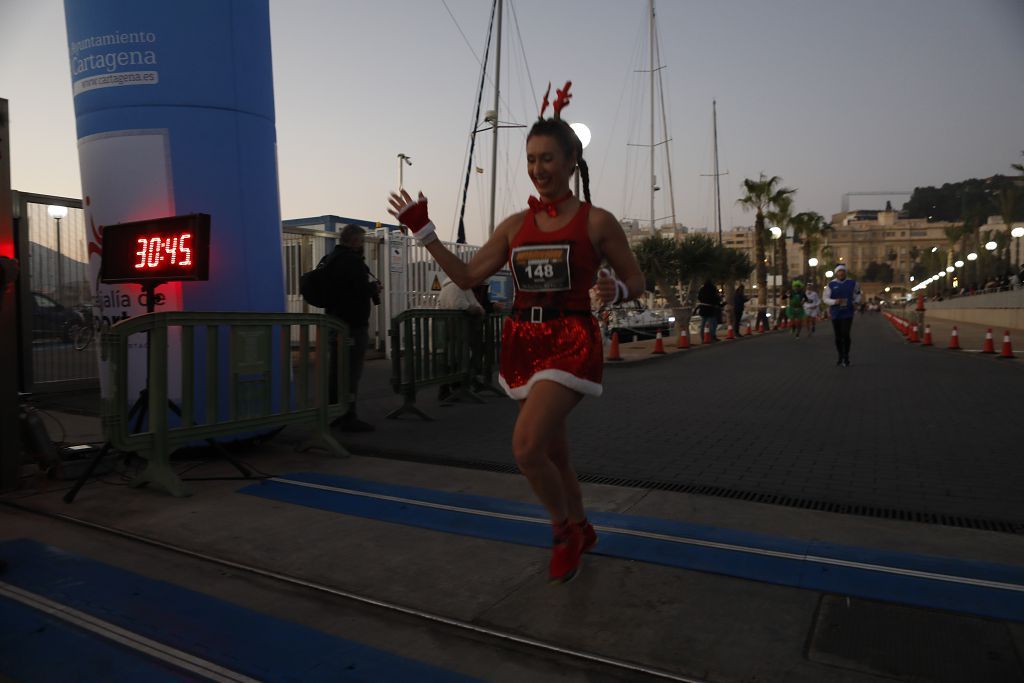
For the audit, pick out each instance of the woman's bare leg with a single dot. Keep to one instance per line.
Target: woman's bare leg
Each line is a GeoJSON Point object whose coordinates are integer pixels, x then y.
{"type": "Point", "coordinates": [558, 453]}
{"type": "Point", "coordinates": [542, 421]}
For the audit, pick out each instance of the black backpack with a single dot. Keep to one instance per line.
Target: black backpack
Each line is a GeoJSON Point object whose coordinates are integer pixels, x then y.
{"type": "Point", "coordinates": [315, 285]}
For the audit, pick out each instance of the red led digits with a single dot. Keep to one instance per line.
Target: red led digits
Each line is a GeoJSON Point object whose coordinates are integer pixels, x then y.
{"type": "Point", "coordinates": [154, 251]}
{"type": "Point", "coordinates": [187, 251]}
{"type": "Point", "coordinates": [141, 253]}
{"type": "Point", "coordinates": [169, 249]}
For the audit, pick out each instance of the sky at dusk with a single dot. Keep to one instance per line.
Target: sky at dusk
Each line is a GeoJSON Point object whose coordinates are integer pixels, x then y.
{"type": "Point", "coordinates": [833, 96]}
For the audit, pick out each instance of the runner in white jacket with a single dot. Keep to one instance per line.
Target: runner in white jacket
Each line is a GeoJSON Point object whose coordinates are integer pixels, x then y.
{"type": "Point", "coordinates": [813, 307]}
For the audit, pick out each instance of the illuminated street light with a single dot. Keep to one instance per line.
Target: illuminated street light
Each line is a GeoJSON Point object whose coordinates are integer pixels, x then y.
{"type": "Point", "coordinates": [776, 232]}
{"type": "Point", "coordinates": [582, 132]}
{"type": "Point", "coordinates": [972, 256]}
{"type": "Point", "coordinates": [57, 213]}
{"type": "Point", "coordinates": [959, 264]}
{"type": "Point", "coordinates": [1017, 233]}
{"type": "Point", "coordinates": [911, 278]}
{"type": "Point", "coordinates": [934, 249]}
{"type": "Point", "coordinates": [949, 269]}
{"type": "Point", "coordinates": [990, 245]}
{"type": "Point", "coordinates": [812, 262]}
{"type": "Point", "coordinates": [829, 273]}
{"type": "Point", "coordinates": [888, 289]}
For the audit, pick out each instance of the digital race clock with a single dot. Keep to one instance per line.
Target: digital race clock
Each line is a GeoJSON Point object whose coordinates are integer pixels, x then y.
{"type": "Point", "coordinates": [157, 250]}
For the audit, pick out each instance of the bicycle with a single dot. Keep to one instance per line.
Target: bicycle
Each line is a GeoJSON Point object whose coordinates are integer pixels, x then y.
{"type": "Point", "coordinates": [82, 331]}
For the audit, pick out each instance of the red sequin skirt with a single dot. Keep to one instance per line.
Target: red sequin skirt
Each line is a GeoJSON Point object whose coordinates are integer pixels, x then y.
{"type": "Point", "coordinates": [567, 350]}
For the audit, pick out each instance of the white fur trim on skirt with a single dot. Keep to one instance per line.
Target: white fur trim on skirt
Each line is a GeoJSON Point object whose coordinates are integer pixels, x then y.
{"type": "Point", "coordinates": [566, 379]}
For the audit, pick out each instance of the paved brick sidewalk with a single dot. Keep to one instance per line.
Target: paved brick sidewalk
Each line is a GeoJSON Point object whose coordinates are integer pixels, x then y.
{"type": "Point", "coordinates": [902, 428]}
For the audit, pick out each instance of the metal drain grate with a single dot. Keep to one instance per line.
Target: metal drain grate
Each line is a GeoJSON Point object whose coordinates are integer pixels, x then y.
{"type": "Point", "coordinates": [982, 524]}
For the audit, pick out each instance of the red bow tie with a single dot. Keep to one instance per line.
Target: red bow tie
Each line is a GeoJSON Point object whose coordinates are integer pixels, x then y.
{"type": "Point", "coordinates": [551, 208]}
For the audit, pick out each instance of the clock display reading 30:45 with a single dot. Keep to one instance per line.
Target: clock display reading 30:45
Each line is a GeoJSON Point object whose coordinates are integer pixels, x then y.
{"type": "Point", "coordinates": [161, 249]}
{"type": "Point", "coordinates": [154, 252]}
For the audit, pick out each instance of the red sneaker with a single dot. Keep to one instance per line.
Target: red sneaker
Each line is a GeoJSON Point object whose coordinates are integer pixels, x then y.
{"type": "Point", "coordinates": [589, 535]}
{"type": "Point", "coordinates": [565, 553]}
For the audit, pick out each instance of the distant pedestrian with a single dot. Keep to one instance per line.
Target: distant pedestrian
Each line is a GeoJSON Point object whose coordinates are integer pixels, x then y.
{"type": "Point", "coordinates": [739, 302]}
{"type": "Point", "coordinates": [709, 309]}
{"type": "Point", "coordinates": [841, 295]}
{"type": "Point", "coordinates": [812, 307]}
{"type": "Point", "coordinates": [355, 291]}
{"type": "Point", "coordinates": [795, 307]}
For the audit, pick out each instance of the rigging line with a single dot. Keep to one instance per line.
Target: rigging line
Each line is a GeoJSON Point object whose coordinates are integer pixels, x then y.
{"type": "Point", "coordinates": [487, 76]}
{"type": "Point", "coordinates": [461, 33]}
{"type": "Point", "coordinates": [522, 48]}
{"type": "Point", "coordinates": [599, 182]}
{"type": "Point", "coordinates": [476, 117]}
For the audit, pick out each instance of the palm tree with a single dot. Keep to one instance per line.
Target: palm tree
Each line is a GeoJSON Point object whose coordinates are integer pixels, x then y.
{"type": "Point", "coordinates": [810, 227]}
{"type": "Point", "coordinates": [954, 233]}
{"type": "Point", "coordinates": [730, 266]}
{"type": "Point", "coordinates": [1018, 167]}
{"type": "Point", "coordinates": [696, 254]}
{"type": "Point", "coordinates": [659, 261]}
{"type": "Point", "coordinates": [761, 195]}
{"type": "Point", "coordinates": [781, 215]}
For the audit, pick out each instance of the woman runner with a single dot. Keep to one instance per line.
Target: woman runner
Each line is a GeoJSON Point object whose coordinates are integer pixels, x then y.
{"type": "Point", "coordinates": [551, 348]}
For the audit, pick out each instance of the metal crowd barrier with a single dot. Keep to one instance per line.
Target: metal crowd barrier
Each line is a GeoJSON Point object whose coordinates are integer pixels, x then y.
{"type": "Point", "coordinates": [430, 346]}
{"type": "Point", "coordinates": [253, 377]}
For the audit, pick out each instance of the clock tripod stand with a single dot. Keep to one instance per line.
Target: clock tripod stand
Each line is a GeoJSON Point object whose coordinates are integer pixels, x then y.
{"type": "Point", "coordinates": [139, 409]}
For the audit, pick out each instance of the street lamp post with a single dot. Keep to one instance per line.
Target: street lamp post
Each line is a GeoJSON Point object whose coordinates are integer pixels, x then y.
{"type": "Point", "coordinates": [57, 213]}
{"type": "Point", "coordinates": [776, 232]}
{"type": "Point", "coordinates": [1016, 234]}
{"type": "Point", "coordinates": [402, 161]}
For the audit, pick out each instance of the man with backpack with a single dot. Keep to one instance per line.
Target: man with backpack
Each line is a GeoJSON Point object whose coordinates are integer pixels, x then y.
{"type": "Point", "coordinates": [342, 286]}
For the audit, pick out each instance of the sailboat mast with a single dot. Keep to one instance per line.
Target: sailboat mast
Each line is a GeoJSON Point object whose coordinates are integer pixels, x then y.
{"type": "Point", "coordinates": [664, 129]}
{"type": "Point", "coordinates": [651, 63]}
{"type": "Point", "coordinates": [718, 192]}
{"type": "Point", "coordinates": [494, 147]}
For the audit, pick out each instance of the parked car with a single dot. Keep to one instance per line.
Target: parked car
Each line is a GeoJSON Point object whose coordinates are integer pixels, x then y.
{"type": "Point", "coordinates": [53, 320]}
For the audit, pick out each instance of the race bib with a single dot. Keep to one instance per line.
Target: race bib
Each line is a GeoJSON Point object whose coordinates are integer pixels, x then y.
{"type": "Point", "coordinates": [541, 268]}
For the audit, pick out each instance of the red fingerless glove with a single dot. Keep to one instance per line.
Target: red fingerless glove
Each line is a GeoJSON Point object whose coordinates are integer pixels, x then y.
{"type": "Point", "coordinates": [414, 216]}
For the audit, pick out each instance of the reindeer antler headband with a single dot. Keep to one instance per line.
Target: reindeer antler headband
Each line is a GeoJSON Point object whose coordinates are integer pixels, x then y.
{"type": "Point", "coordinates": [561, 100]}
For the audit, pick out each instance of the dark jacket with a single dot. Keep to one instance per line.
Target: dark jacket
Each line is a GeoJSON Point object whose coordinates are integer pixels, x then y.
{"type": "Point", "coordinates": [710, 301]}
{"type": "Point", "coordinates": [350, 279]}
{"type": "Point", "coordinates": [739, 300]}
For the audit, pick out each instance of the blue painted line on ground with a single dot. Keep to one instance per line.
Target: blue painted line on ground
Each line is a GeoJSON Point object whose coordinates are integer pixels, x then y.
{"type": "Point", "coordinates": [802, 571]}
{"type": "Point", "coordinates": [44, 649]}
{"type": "Point", "coordinates": [239, 639]}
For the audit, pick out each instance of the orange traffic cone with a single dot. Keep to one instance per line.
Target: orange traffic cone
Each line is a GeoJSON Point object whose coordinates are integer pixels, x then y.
{"type": "Point", "coordinates": [1007, 347]}
{"type": "Point", "coordinates": [747, 332]}
{"type": "Point", "coordinates": [988, 346]}
{"type": "Point", "coordinates": [659, 346]}
{"type": "Point", "coordinates": [613, 354]}
{"type": "Point", "coordinates": [954, 340]}
{"type": "Point", "coordinates": [730, 334]}
{"type": "Point", "coordinates": [684, 339]}
{"type": "Point", "coordinates": [707, 337]}
{"type": "Point", "coordinates": [927, 336]}
{"type": "Point", "coordinates": [912, 337]}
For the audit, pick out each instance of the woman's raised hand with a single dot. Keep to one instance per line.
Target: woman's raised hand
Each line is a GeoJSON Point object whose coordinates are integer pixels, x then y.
{"type": "Point", "coordinates": [413, 215]}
